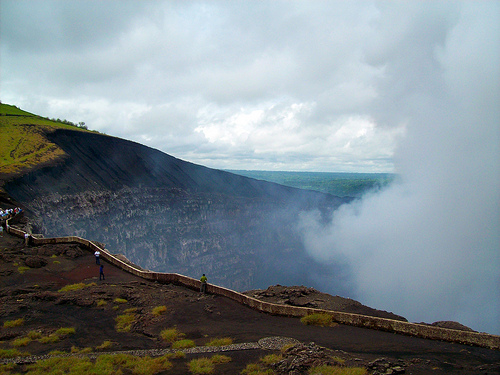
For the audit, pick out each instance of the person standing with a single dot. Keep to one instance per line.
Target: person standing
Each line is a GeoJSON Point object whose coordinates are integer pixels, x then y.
{"type": "Point", "coordinates": [203, 285]}
{"type": "Point", "coordinates": [26, 239]}
{"type": "Point", "coordinates": [101, 272]}
{"type": "Point", "coordinates": [1, 231]}
{"type": "Point", "coordinates": [97, 255]}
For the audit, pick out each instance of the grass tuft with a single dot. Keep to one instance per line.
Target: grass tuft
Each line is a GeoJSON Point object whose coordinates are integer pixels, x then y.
{"type": "Point", "coordinates": [50, 339]}
{"type": "Point", "coordinates": [271, 359]}
{"type": "Point", "coordinates": [73, 287]}
{"type": "Point", "coordinates": [320, 319]}
{"type": "Point", "coordinates": [22, 341]}
{"type": "Point", "coordinates": [220, 341]}
{"type": "Point", "coordinates": [171, 335]}
{"type": "Point", "coordinates": [13, 323]}
{"type": "Point", "coordinates": [159, 310]}
{"type": "Point", "coordinates": [105, 345]}
{"type": "Point", "coordinates": [220, 358]}
{"type": "Point", "coordinates": [335, 370]}
{"type": "Point", "coordinates": [124, 322]}
{"type": "Point", "coordinates": [62, 332]}
{"type": "Point", "coordinates": [183, 344]}
{"type": "Point", "coordinates": [120, 300]}
{"type": "Point", "coordinates": [256, 369]}
{"type": "Point", "coordinates": [22, 269]}
{"type": "Point", "coordinates": [201, 366]}
{"type": "Point", "coordinates": [34, 335]}
{"type": "Point", "coordinates": [12, 353]}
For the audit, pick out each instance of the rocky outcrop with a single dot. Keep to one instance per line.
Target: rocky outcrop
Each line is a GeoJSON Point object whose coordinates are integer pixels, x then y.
{"type": "Point", "coordinates": [310, 297]}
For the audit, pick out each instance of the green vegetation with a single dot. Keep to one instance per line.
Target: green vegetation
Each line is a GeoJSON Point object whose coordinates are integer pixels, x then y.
{"type": "Point", "coordinates": [124, 322]}
{"type": "Point", "coordinates": [105, 345]}
{"type": "Point", "coordinates": [21, 341]}
{"type": "Point", "coordinates": [77, 350]}
{"type": "Point", "coordinates": [201, 366]}
{"type": "Point", "coordinates": [183, 344]}
{"type": "Point", "coordinates": [323, 320]}
{"type": "Point", "coordinates": [171, 335]}
{"type": "Point", "coordinates": [22, 269]}
{"type": "Point", "coordinates": [220, 342]}
{"type": "Point", "coordinates": [12, 353]}
{"type": "Point", "coordinates": [120, 300]}
{"type": "Point", "coordinates": [340, 184]}
{"type": "Point", "coordinates": [50, 339]}
{"type": "Point", "coordinates": [23, 144]}
{"type": "Point", "coordinates": [13, 323]}
{"type": "Point", "coordinates": [34, 335]}
{"type": "Point", "coordinates": [207, 365]}
{"type": "Point", "coordinates": [62, 332]}
{"type": "Point", "coordinates": [101, 303]}
{"type": "Point", "coordinates": [271, 358]}
{"type": "Point", "coordinates": [256, 369]}
{"type": "Point", "coordinates": [159, 310]}
{"type": "Point", "coordinates": [335, 370]}
{"type": "Point", "coordinates": [73, 287]}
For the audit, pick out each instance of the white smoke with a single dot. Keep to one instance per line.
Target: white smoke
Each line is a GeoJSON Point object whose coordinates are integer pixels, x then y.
{"type": "Point", "coordinates": [428, 246]}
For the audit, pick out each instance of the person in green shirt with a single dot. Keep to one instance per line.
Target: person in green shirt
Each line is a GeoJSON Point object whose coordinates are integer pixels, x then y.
{"type": "Point", "coordinates": [203, 286]}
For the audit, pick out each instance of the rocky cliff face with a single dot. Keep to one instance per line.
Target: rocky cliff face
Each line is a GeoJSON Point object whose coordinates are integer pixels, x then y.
{"type": "Point", "coordinates": [172, 216]}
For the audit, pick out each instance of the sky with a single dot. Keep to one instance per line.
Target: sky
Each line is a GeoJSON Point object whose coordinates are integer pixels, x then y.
{"type": "Point", "coordinates": [410, 87]}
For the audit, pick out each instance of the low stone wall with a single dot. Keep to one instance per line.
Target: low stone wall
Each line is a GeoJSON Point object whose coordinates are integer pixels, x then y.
{"type": "Point", "coordinates": [412, 329]}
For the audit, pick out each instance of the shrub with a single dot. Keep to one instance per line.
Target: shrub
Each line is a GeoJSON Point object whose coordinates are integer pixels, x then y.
{"type": "Point", "coordinates": [124, 322]}
{"type": "Point", "coordinates": [159, 310]}
{"type": "Point", "coordinates": [334, 370]}
{"type": "Point", "coordinates": [171, 335]}
{"type": "Point", "coordinates": [13, 323]}
{"type": "Point", "coordinates": [120, 300]}
{"type": "Point", "coordinates": [323, 320]}
{"type": "Point", "coordinates": [56, 262]}
{"type": "Point", "coordinates": [220, 342]}
{"type": "Point", "coordinates": [183, 344]}
{"type": "Point", "coordinates": [201, 366]}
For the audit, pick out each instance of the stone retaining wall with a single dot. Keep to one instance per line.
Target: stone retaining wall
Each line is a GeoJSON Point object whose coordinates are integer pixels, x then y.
{"type": "Point", "coordinates": [412, 329]}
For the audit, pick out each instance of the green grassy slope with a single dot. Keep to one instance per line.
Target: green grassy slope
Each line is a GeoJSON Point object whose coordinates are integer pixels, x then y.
{"type": "Point", "coordinates": [23, 145]}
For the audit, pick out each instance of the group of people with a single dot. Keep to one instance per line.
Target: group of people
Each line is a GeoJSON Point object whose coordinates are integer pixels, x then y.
{"type": "Point", "coordinates": [6, 213]}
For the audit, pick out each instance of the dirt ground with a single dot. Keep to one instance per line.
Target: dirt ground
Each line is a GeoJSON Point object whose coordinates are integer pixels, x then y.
{"type": "Point", "coordinates": [33, 294]}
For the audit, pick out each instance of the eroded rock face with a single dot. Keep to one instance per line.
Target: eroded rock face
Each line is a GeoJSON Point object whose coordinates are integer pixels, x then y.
{"type": "Point", "coordinates": [310, 297]}
{"type": "Point", "coordinates": [239, 243]}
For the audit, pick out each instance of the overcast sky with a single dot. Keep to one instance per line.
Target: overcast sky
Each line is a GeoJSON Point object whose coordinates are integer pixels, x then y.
{"type": "Point", "coordinates": [270, 85]}
{"type": "Point", "coordinates": [411, 87]}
